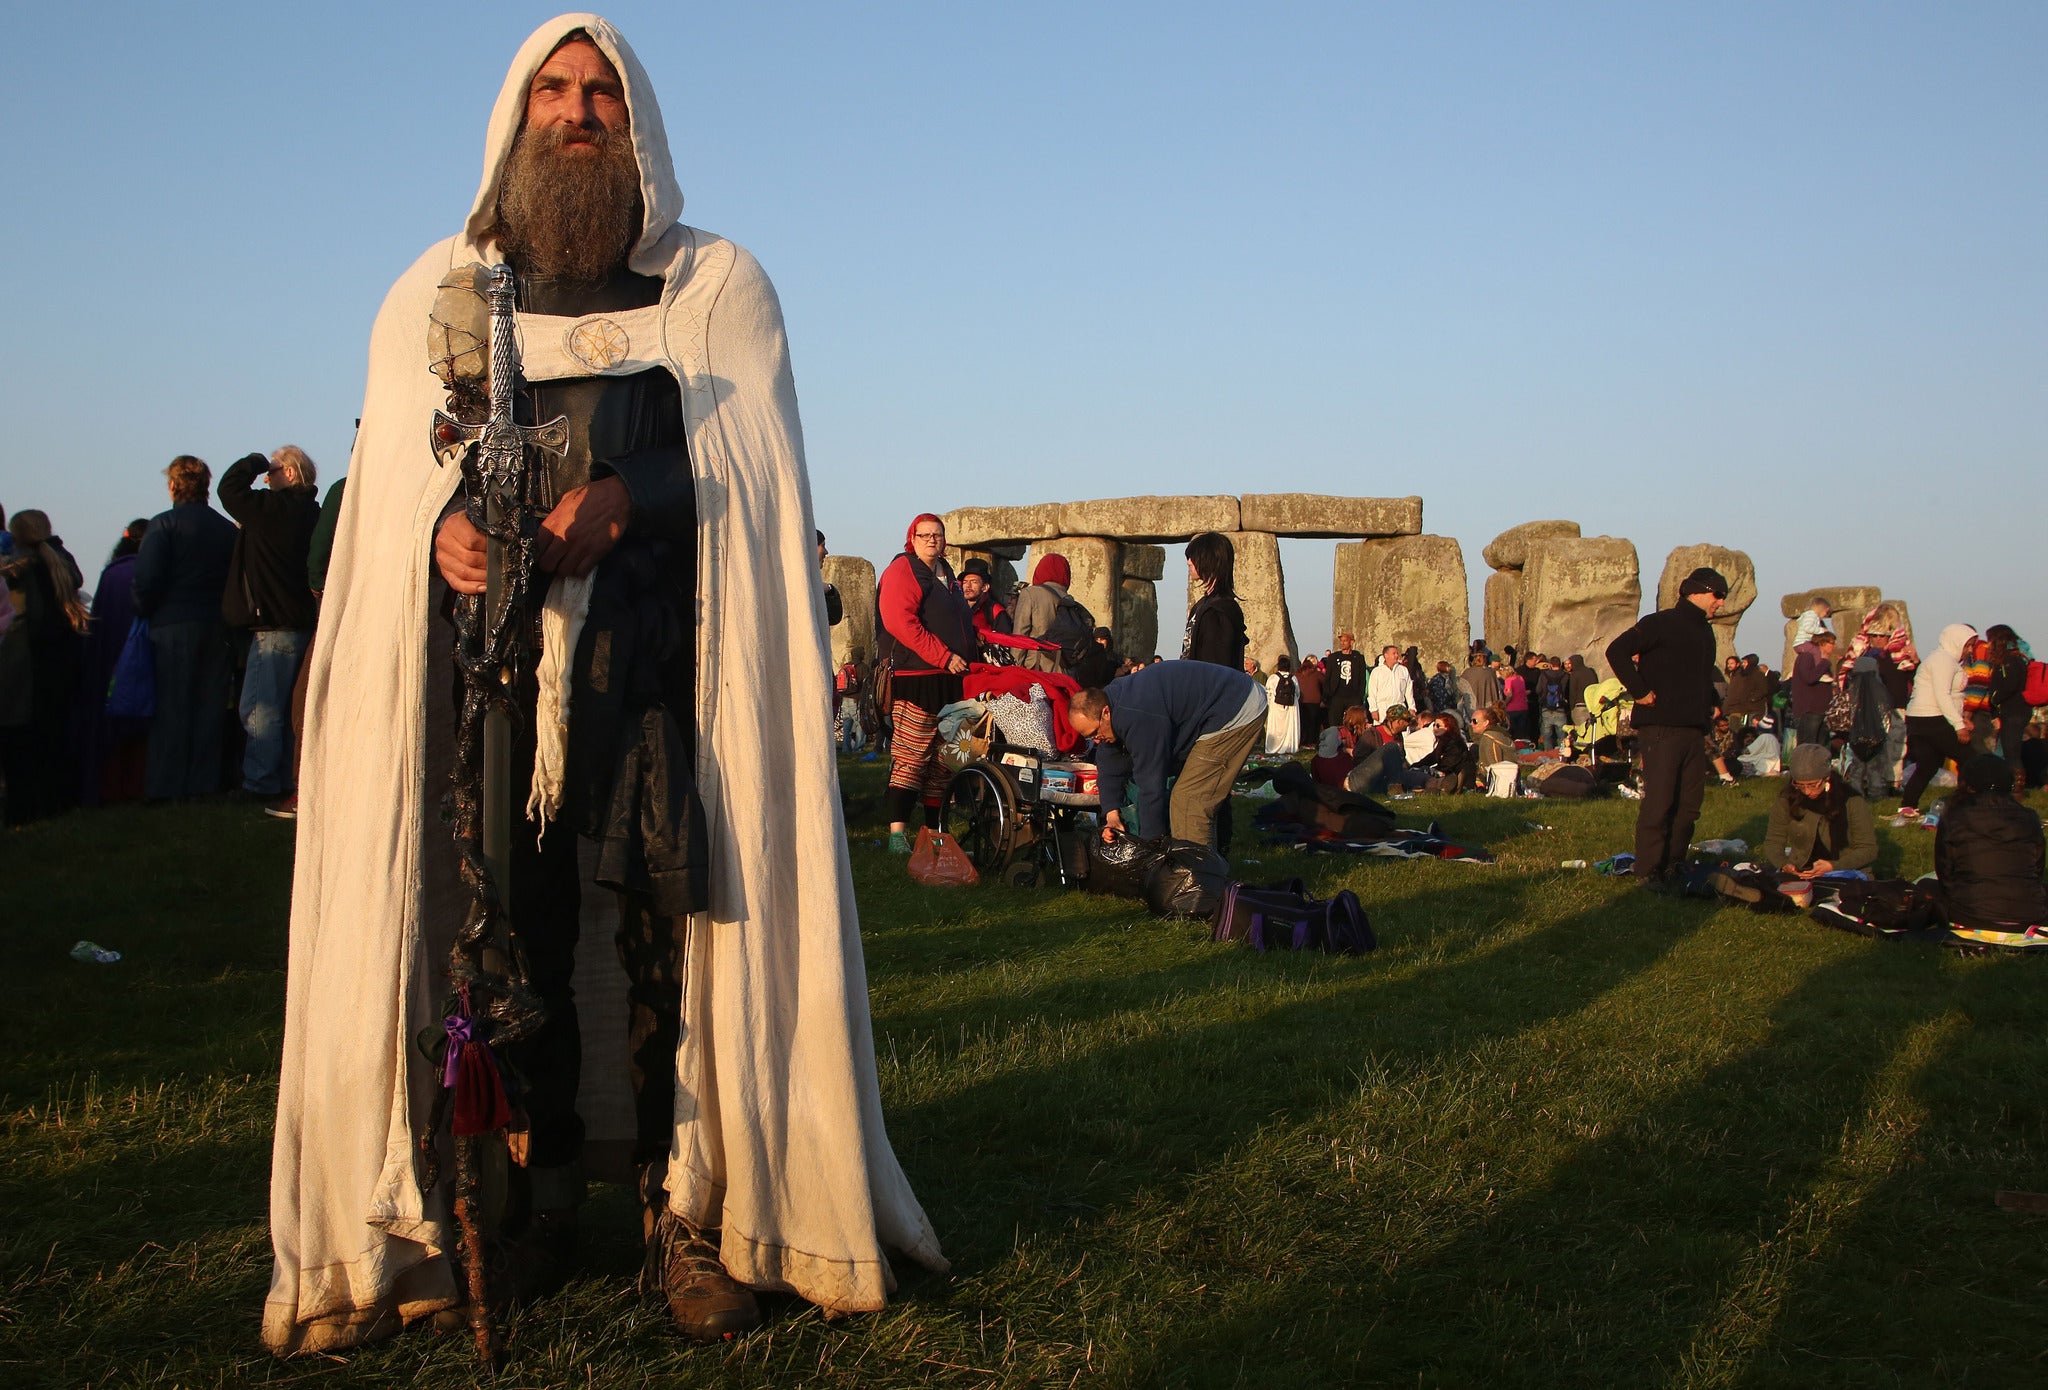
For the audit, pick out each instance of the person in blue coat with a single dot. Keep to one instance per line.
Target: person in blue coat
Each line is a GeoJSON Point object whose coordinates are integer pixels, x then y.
{"type": "Point", "coordinates": [1184, 722]}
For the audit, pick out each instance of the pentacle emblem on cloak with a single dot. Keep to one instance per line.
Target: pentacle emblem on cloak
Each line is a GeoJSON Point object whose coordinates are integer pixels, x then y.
{"type": "Point", "coordinates": [598, 344]}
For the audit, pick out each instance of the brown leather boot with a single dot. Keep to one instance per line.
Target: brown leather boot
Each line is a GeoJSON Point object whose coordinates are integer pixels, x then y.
{"type": "Point", "coordinates": [708, 1304]}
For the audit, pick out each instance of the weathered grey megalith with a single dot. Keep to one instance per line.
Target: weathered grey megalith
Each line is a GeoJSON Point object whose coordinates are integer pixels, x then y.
{"type": "Point", "coordinates": [1408, 590]}
{"type": "Point", "coordinates": [974, 528]}
{"type": "Point", "coordinates": [1148, 518]}
{"type": "Point", "coordinates": [1137, 618]}
{"type": "Point", "coordinates": [1503, 610]}
{"type": "Point", "coordinates": [1313, 516]}
{"type": "Point", "coordinates": [1262, 593]}
{"type": "Point", "coordinates": [855, 633]}
{"type": "Point", "coordinates": [1580, 594]}
{"type": "Point", "coordinates": [1510, 549]}
{"type": "Point", "coordinates": [1735, 567]}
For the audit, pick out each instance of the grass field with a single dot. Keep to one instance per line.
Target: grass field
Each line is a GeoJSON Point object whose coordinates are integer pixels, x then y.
{"type": "Point", "coordinates": [1555, 1132]}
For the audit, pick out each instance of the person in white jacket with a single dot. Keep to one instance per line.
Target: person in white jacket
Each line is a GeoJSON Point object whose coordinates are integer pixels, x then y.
{"type": "Point", "coordinates": [1937, 730]}
{"type": "Point", "coordinates": [1283, 710]}
{"type": "Point", "coordinates": [1389, 684]}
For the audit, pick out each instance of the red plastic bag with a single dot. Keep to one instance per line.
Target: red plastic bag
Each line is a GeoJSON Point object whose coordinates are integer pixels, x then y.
{"type": "Point", "coordinates": [937, 861]}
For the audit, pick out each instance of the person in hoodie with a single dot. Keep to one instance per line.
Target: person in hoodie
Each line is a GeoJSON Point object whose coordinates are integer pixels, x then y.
{"type": "Point", "coordinates": [1989, 853]}
{"type": "Point", "coordinates": [1937, 731]}
{"type": "Point", "coordinates": [1666, 663]}
{"type": "Point", "coordinates": [1037, 613]}
{"type": "Point", "coordinates": [691, 831]}
{"type": "Point", "coordinates": [1215, 631]}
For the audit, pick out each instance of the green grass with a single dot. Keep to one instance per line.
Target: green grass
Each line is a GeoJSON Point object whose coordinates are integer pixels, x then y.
{"type": "Point", "coordinates": [1554, 1132]}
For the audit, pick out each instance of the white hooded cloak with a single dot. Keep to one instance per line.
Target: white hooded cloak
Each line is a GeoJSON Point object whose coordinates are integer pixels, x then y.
{"type": "Point", "coordinates": [779, 1139]}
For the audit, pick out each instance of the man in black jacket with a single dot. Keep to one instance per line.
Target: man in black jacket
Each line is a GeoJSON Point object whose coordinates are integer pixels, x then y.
{"type": "Point", "coordinates": [1666, 661]}
{"type": "Point", "coordinates": [267, 592]}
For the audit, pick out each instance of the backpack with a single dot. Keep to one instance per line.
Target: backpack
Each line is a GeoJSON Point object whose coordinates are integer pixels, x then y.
{"type": "Point", "coordinates": [1285, 918]}
{"type": "Point", "coordinates": [1284, 694]}
{"type": "Point", "coordinates": [2035, 691]}
{"type": "Point", "coordinates": [1553, 694]}
{"type": "Point", "coordinates": [1843, 706]}
{"type": "Point", "coordinates": [1073, 632]}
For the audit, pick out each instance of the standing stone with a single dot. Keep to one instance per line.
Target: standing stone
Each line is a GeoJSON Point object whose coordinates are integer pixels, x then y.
{"type": "Point", "coordinates": [988, 527]}
{"type": "Point", "coordinates": [1510, 549]}
{"type": "Point", "coordinates": [1137, 619]}
{"type": "Point", "coordinates": [1262, 593]}
{"type": "Point", "coordinates": [1097, 568]}
{"type": "Point", "coordinates": [855, 580]}
{"type": "Point", "coordinates": [1503, 612]}
{"type": "Point", "coordinates": [1735, 567]}
{"type": "Point", "coordinates": [1580, 594]}
{"type": "Point", "coordinates": [1144, 562]}
{"type": "Point", "coordinates": [1410, 591]}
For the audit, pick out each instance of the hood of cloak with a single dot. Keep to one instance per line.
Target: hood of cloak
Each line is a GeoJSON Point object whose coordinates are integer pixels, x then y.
{"type": "Point", "coordinates": [801, 1177]}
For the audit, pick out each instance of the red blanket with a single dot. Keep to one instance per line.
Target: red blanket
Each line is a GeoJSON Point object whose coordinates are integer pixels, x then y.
{"type": "Point", "coordinates": [987, 682]}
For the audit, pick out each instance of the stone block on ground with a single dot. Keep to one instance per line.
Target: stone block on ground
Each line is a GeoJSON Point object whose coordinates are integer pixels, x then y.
{"type": "Point", "coordinates": [1510, 549]}
{"type": "Point", "coordinates": [855, 633]}
{"type": "Point", "coordinates": [1152, 519]}
{"type": "Point", "coordinates": [1580, 594]}
{"type": "Point", "coordinates": [1262, 593]}
{"type": "Point", "coordinates": [1735, 567]}
{"type": "Point", "coordinates": [1407, 590]}
{"type": "Point", "coordinates": [1137, 619]}
{"type": "Point", "coordinates": [1503, 611]}
{"type": "Point", "coordinates": [985, 528]}
{"type": "Point", "coordinates": [1313, 516]}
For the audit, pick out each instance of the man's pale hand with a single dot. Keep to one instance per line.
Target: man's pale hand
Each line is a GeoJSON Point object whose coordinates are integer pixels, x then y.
{"type": "Point", "coordinates": [1649, 698]}
{"type": "Point", "coordinates": [584, 526]}
{"type": "Point", "coordinates": [1112, 825]}
{"type": "Point", "coordinates": [459, 552]}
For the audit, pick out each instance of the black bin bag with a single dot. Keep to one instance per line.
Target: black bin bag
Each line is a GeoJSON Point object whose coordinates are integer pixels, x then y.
{"type": "Point", "coordinates": [1187, 880]}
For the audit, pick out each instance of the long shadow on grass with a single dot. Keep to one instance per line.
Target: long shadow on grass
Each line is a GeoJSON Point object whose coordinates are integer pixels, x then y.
{"type": "Point", "coordinates": [1884, 1304]}
{"type": "Point", "coordinates": [1601, 1275]}
{"type": "Point", "coordinates": [1048, 1144]}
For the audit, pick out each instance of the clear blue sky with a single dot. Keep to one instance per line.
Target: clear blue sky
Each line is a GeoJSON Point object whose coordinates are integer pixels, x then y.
{"type": "Point", "coordinates": [1770, 276]}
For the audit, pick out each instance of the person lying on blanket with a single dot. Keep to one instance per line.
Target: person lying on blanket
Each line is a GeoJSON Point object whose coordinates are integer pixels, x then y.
{"type": "Point", "coordinates": [1818, 824]}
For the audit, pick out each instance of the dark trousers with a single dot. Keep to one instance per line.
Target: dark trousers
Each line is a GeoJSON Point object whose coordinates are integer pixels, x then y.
{"type": "Point", "coordinates": [1930, 741]}
{"type": "Point", "coordinates": [1811, 728]}
{"type": "Point", "coordinates": [191, 695]}
{"type": "Point", "coordinates": [1311, 725]}
{"type": "Point", "coordinates": [1674, 785]}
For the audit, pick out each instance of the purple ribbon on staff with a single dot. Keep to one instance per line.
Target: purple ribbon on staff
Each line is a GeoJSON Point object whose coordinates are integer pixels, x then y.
{"type": "Point", "coordinates": [461, 1033]}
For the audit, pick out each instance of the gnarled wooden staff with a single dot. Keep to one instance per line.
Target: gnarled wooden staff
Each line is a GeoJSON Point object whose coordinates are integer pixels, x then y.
{"type": "Point", "coordinates": [491, 1004]}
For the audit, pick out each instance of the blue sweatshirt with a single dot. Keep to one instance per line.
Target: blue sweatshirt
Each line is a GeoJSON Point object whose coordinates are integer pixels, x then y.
{"type": "Point", "coordinates": [1157, 713]}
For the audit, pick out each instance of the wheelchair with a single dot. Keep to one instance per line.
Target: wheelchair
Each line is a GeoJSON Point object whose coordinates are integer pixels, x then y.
{"type": "Point", "coordinates": [1018, 814]}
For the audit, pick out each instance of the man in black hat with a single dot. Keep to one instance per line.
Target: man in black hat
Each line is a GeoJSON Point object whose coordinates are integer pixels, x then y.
{"type": "Point", "coordinates": [1667, 663]}
{"type": "Point", "coordinates": [978, 587]}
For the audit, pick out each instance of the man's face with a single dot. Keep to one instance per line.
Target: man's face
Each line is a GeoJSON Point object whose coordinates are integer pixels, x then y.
{"type": "Point", "coordinates": [1397, 726]}
{"type": "Point", "coordinates": [1391, 656]}
{"type": "Point", "coordinates": [1707, 602]}
{"type": "Point", "coordinates": [973, 586]}
{"type": "Point", "coordinates": [1344, 644]}
{"type": "Point", "coordinates": [1096, 727]}
{"type": "Point", "coordinates": [578, 87]}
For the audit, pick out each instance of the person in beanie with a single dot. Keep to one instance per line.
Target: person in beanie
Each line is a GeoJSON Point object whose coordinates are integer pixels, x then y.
{"type": "Point", "coordinates": [1666, 663]}
{"type": "Point", "coordinates": [1819, 824]}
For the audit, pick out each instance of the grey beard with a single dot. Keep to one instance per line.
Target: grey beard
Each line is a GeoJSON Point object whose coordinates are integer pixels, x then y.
{"type": "Point", "coordinates": [569, 217]}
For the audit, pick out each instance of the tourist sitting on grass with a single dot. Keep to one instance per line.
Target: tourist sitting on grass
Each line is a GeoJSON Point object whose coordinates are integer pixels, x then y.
{"type": "Point", "coordinates": [1185, 722]}
{"type": "Point", "coordinates": [1819, 824]}
{"type": "Point", "coordinates": [1333, 760]}
{"type": "Point", "coordinates": [1449, 763]}
{"type": "Point", "coordinates": [1988, 852]}
{"type": "Point", "coordinates": [1722, 742]}
{"type": "Point", "coordinates": [1382, 761]}
{"type": "Point", "coordinates": [1491, 742]}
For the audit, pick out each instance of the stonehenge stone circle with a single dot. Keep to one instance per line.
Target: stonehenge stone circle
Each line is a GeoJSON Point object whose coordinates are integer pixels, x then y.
{"type": "Point", "coordinates": [1510, 549]}
{"type": "Point", "coordinates": [982, 528]}
{"type": "Point", "coordinates": [1580, 594]}
{"type": "Point", "coordinates": [1735, 567]}
{"type": "Point", "coordinates": [1407, 590]}
{"type": "Point", "coordinates": [1148, 518]}
{"type": "Point", "coordinates": [854, 578]}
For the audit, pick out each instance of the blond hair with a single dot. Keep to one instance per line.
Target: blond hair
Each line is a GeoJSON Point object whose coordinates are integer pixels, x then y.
{"type": "Point", "coordinates": [291, 456]}
{"type": "Point", "coordinates": [31, 531]}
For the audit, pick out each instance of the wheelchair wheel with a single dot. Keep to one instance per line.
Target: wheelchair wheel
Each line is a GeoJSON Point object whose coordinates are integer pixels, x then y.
{"type": "Point", "coordinates": [982, 814]}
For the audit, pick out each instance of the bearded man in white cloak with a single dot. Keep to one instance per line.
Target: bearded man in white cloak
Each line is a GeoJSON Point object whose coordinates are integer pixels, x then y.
{"type": "Point", "coordinates": [688, 916]}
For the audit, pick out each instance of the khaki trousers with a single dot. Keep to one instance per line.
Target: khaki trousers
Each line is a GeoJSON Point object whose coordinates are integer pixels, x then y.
{"type": "Point", "coordinates": [1205, 780]}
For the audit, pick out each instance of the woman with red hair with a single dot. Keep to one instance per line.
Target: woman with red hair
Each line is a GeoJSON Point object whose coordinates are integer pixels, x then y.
{"type": "Point", "coordinates": [928, 638]}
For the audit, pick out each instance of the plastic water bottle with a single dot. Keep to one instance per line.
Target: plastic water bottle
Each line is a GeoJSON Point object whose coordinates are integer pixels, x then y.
{"type": "Point", "coordinates": [1932, 820]}
{"type": "Point", "coordinates": [1573, 864]}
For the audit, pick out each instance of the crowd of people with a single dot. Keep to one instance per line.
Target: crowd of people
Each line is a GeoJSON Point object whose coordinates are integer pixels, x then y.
{"type": "Point", "coordinates": [175, 675]}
